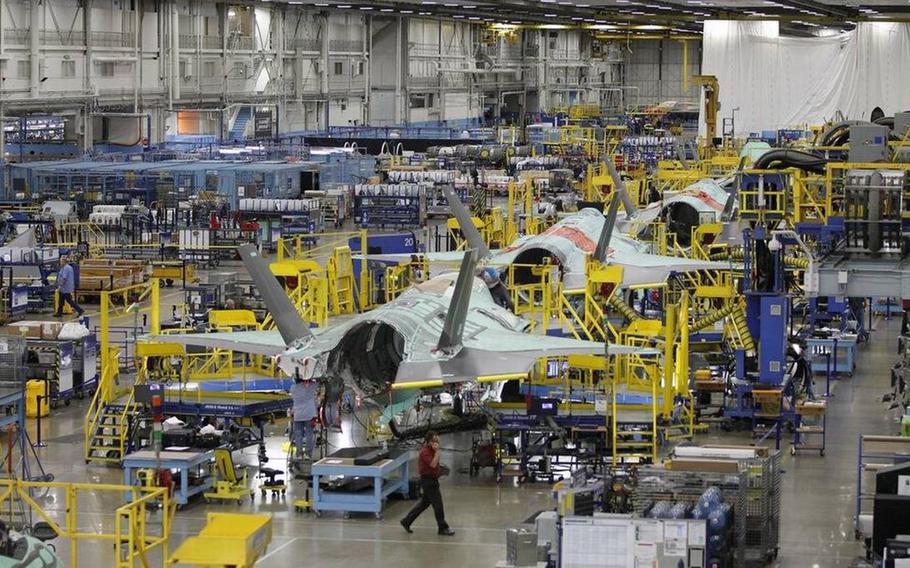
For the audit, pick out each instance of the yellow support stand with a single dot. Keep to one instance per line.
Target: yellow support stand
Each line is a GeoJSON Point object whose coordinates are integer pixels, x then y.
{"type": "Point", "coordinates": [229, 486]}
{"type": "Point", "coordinates": [229, 540]}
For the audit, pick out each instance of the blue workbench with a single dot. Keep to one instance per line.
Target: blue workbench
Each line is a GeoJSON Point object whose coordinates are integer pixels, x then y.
{"type": "Point", "coordinates": [389, 476]}
{"type": "Point", "coordinates": [182, 462]}
{"type": "Point", "coordinates": [843, 361]}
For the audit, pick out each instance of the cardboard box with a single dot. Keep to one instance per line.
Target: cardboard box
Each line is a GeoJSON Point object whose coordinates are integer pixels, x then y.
{"type": "Point", "coordinates": [694, 464]}
{"type": "Point", "coordinates": [51, 329]}
{"type": "Point", "coordinates": [23, 329]}
{"type": "Point", "coordinates": [760, 451]}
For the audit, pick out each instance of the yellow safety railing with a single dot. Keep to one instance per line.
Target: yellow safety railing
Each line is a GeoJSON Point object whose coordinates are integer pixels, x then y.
{"type": "Point", "coordinates": [140, 528]}
{"type": "Point", "coordinates": [768, 199]}
{"type": "Point", "coordinates": [402, 276]}
{"type": "Point", "coordinates": [535, 300]}
{"type": "Point", "coordinates": [117, 303]}
{"type": "Point", "coordinates": [810, 204]}
{"type": "Point", "coordinates": [587, 320]}
{"type": "Point", "coordinates": [310, 299]}
{"type": "Point", "coordinates": [633, 373]}
{"type": "Point", "coordinates": [80, 232]}
{"type": "Point", "coordinates": [520, 218]}
{"type": "Point", "coordinates": [104, 394]}
{"type": "Point", "coordinates": [298, 247]}
{"type": "Point", "coordinates": [494, 229]}
{"type": "Point", "coordinates": [675, 179]}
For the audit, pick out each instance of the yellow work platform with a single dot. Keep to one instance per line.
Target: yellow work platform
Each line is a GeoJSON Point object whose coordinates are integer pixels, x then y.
{"type": "Point", "coordinates": [171, 271]}
{"type": "Point", "coordinates": [228, 539]}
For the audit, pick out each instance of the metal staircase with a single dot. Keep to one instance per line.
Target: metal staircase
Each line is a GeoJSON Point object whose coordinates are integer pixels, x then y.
{"type": "Point", "coordinates": [634, 424]}
{"type": "Point", "coordinates": [238, 128]}
{"type": "Point", "coordinates": [107, 422]}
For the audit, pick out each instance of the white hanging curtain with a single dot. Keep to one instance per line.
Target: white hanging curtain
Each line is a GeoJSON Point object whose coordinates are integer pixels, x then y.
{"type": "Point", "coordinates": [783, 82]}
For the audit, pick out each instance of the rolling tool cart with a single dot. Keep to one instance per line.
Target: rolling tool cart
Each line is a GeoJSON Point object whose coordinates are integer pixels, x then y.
{"type": "Point", "coordinates": [809, 431]}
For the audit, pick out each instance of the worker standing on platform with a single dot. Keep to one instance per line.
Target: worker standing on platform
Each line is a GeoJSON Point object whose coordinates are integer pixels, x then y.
{"type": "Point", "coordinates": [66, 286]}
{"type": "Point", "coordinates": [430, 470]}
{"type": "Point", "coordinates": [303, 413]}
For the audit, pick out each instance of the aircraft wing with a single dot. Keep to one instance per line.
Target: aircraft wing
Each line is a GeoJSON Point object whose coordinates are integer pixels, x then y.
{"type": "Point", "coordinates": [654, 268]}
{"type": "Point", "coordinates": [493, 353]}
{"type": "Point", "coordinates": [267, 343]}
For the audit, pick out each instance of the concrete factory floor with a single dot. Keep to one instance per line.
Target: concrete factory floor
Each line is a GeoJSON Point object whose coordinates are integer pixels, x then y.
{"type": "Point", "coordinates": [817, 503]}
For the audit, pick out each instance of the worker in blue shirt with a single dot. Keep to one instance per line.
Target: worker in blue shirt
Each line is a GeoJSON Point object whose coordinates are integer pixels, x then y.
{"type": "Point", "coordinates": [304, 394]}
{"type": "Point", "coordinates": [66, 285]}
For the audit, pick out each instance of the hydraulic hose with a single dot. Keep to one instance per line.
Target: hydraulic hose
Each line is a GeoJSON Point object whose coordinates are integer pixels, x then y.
{"type": "Point", "coordinates": [839, 133]}
{"type": "Point", "coordinates": [737, 313]}
{"type": "Point", "coordinates": [885, 121]}
{"type": "Point", "coordinates": [742, 328]}
{"type": "Point", "coordinates": [623, 308]}
{"type": "Point", "coordinates": [780, 158]}
{"type": "Point", "coordinates": [713, 317]}
{"type": "Point", "coordinates": [737, 255]}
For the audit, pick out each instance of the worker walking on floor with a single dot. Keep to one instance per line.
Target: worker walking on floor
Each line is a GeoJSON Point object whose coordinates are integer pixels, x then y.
{"type": "Point", "coordinates": [430, 470]}
{"type": "Point", "coordinates": [303, 413]}
{"type": "Point", "coordinates": [66, 286]}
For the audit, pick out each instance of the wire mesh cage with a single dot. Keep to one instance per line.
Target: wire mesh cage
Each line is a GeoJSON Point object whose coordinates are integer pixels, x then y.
{"type": "Point", "coordinates": [753, 493]}
{"type": "Point", "coordinates": [13, 369]}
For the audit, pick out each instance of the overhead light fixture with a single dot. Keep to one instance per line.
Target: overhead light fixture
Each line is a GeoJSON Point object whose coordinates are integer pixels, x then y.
{"type": "Point", "coordinates": [366, 8]}
{"type": "Point", "coordinates": [458, 16]}
{"type": "Point", "coordinates": [553, 27]}
{"type": "Point", "coordinates": [343, 6]}
{"type": "Point", "coordinates": [602, 27]}
{"type": "Point", "coordinates": [549, 15]}
{"type": "Point", "coordinates": [576, 18]}
{"type": "Point", "coordinates": [386, 10]}
{"type": "Point", "coordinates": [650, 27]}
{"type": "Point", "coordinates": [407, 11]}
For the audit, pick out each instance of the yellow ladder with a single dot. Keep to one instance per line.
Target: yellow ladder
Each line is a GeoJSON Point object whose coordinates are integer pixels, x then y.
{"type": "Point", "coordinates": [342, 284]}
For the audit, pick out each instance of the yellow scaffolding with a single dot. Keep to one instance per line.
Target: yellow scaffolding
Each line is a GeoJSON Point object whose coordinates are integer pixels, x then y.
{"type": "Point", "coordinates": [132, 537]}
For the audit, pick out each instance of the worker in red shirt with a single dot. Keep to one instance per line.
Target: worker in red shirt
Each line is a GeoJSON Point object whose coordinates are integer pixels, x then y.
{"type": "Point", "coordinates": [430, 470]}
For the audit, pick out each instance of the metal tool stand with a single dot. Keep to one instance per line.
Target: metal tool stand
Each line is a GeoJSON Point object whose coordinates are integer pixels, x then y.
{"type": "Point", "coordinates": [389, 476]}
{"type": "Point", "coordinates": [183, 462]}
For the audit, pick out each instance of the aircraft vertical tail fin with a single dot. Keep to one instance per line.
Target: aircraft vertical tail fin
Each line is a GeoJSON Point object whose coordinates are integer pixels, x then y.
{"type": "Point", "coordinates": [603, 243]}
{"type": "Point", "coordinates": [620, 188]}
{"type": "Point", "coordinates": [681, 156]}
{"type": "Point", "coordinates": [465, 223]}
{"type": "Point", "coordinates": [289, 323]}
{"type": "Point", "coordinates": [732, 194]}
{"type": "Point", "coordinates": [453, 328]}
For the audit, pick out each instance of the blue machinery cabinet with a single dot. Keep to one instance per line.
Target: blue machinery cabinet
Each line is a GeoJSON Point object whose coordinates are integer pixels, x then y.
{"type": "Point", "coordinates": [389, 476]}
{"type": "Point", "coordinates": [182, 462]}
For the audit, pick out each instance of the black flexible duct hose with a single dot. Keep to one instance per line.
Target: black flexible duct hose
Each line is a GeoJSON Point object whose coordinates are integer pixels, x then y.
{"type": "Point", "coordinates": [885, 121]}
{"type": "Point", "coordinates": [780, 158]}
